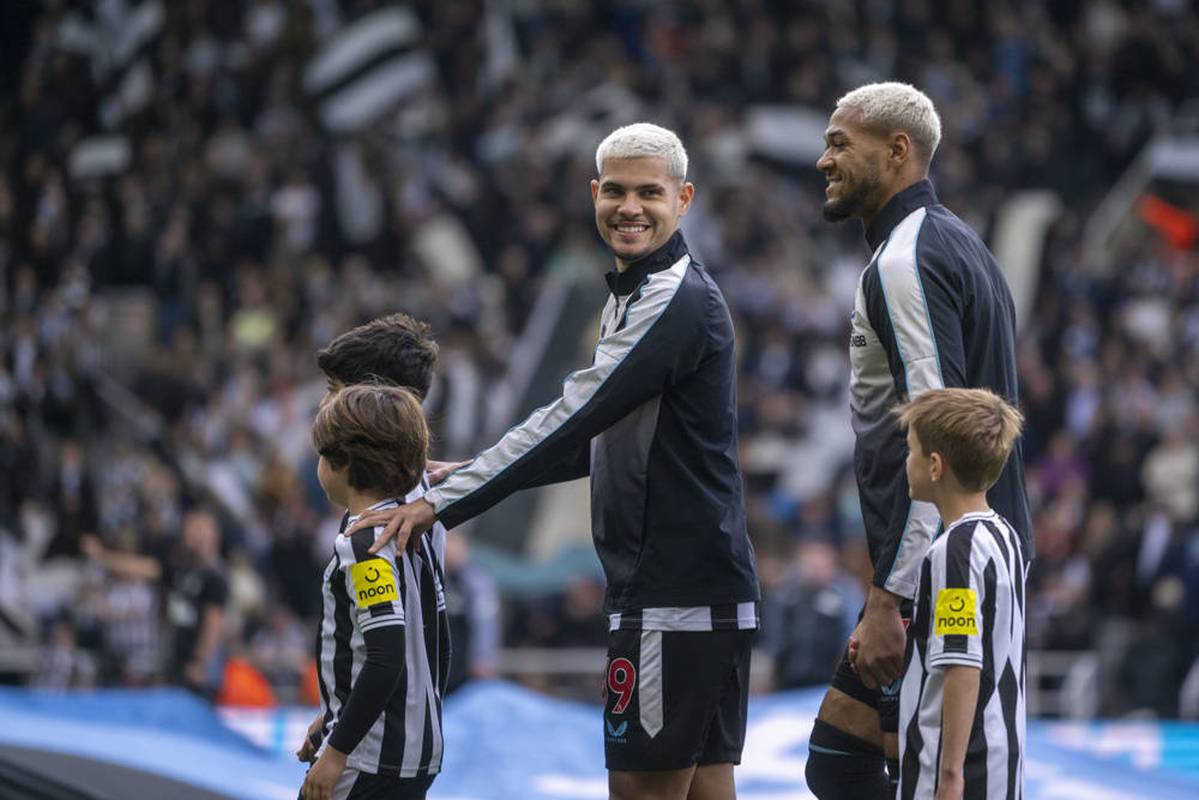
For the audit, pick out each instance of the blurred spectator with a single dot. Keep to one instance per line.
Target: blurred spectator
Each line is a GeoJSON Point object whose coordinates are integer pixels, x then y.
{"type": "Point", "coordinates": [808, 616]}
{"type": "Point", "coordinates": [129, 623]}
{"type": "Point", "coordinates": [280, 647]}
{"type": "Point", "coordinates": [572, 618]}
{"type": "Point", "coordinates": [65, 665]}
{"type": "Point", "coordinates": [73, 497]}
{"type": "Point", "coordinates": [196, 593]}
{"type": "Point", "coordinates": [1171, 472]}
{"type": "Point", "coordinates": [473, 607]}
{"type": "Point", "coordinates": [247, 594]}
{"type": "Point", "coordinates": [196, 606]}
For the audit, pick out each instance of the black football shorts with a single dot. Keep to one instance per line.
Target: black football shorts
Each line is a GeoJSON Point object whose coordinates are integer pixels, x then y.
{"type": "Point", "coordinates": [675, 698]}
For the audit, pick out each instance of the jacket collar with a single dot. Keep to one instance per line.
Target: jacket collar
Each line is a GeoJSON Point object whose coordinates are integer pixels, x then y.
{"type": "Point", "coordinates": [916, 196]}
{"type": "Point", "coordinates": [622, 283]}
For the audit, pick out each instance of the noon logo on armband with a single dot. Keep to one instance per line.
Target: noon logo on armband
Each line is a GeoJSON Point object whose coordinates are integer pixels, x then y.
{"type": "Point", "coordinates": [374, 582]}
{"type": "Point", "coordinates": [955, 613]}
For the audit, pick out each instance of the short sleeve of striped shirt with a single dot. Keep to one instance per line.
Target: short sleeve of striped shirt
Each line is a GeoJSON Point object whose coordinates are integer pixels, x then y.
{"type": "Point", "coordinates": [374, 581]}
{"type": "Point", "coordinates": [956, 599]}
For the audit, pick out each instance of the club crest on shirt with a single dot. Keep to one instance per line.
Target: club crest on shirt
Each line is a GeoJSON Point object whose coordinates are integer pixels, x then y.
{"type": "Point", "coordinates": [955, 613]}
{"type": "Point", "coordinates": [374, 582]}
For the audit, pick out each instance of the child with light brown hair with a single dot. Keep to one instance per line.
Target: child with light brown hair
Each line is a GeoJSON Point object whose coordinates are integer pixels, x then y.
{"type": "Point", "coordinates": [962, 708]}
{"type": "Point", "coordinates": [382, 674]}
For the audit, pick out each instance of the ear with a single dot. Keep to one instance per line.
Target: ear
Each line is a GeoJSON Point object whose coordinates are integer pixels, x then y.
{"type": "Point", "coordinates": [936, 467]}
{"type": "Point", "coordinates": [594, 190]}
{"type": "Point", "coordinates": [686, 192]}
{"type": "Point", "coordinates": [900, 150]}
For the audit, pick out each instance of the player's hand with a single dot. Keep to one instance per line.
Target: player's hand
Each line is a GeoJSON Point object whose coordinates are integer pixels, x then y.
{"type": "Point", "coordinates": [950, 786]}
{"type": "Point", "coordinates": [853, 650]}
{"type": "Point", "coordinates": [307, 751]}
{"type": "Point", "coordinates": [881, 640]}
{"type": "Point", "coordinates": [398, 523]}
{"type": "Point", "coordinates": [323, 775]}
{"type": "Point", "coordinates": [438, 471]}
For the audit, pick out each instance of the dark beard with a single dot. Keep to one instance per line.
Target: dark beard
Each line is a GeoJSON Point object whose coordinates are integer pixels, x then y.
{"type": "Point", "coordinates": [839, 210]}
{"type": "Point", "coordinates": [853, 204]}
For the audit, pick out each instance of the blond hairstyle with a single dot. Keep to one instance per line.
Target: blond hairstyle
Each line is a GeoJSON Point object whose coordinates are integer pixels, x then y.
{"type": "Point", "coordinates": [974, 430]}
{"type": "Point", "coordinates": [644, 140]}
{"type": "Point", "coordinates": [377, 431]}
{"type": "Point", "coordinates": [892, 106]}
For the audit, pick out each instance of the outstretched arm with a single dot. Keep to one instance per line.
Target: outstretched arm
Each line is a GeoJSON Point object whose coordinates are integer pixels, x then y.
{"type": "Point", "coordinates": [130, 565]}
{"type": "Point", "coordinates": [657, 344]}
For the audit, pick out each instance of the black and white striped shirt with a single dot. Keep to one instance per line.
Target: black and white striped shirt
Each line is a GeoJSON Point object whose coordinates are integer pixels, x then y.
{"type": "Point", "coordinates": [383, 652]}
{"type": "Point", "coordinates": [969, 611]}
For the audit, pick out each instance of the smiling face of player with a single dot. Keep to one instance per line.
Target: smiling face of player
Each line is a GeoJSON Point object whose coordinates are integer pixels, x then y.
{"type": "Point", "coordinates": [638, 206]}
{"type": "Point", "coordinates": [853, 164]}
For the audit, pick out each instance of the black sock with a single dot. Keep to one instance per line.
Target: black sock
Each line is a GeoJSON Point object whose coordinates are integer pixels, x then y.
{"type": "Point", "coordinates": [844, 767]}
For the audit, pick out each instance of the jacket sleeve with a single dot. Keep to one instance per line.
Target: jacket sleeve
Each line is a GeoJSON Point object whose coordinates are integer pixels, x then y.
{"type": "Point", "coordinates": [914, 300]}
{"type": "Point", "coordinates": [576, 464]}
{"type": "Point", "coordinates": [660, 341]}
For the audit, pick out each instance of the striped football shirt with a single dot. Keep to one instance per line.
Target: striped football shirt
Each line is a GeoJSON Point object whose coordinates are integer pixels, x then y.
{"type": "Point", "coordinates": [364, 593]}
{"type": "Point", "coordinates": [970, 612]}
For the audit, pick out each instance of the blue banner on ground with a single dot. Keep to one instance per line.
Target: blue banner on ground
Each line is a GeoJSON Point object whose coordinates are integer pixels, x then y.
{"type": "Point", "coordinates": [165, 732]}
{"type": "Point", "coordinates": [506, 742]}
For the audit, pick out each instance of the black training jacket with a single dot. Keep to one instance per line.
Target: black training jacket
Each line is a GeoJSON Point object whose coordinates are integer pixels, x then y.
{"type": "Point", "coordinates": [932, 310]}
{"type": "Point", "coordinates": [653, 421]}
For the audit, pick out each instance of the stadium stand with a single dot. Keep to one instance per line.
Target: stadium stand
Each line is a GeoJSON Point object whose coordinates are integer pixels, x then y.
{"type": "Point", "coordinates": [195, 196]}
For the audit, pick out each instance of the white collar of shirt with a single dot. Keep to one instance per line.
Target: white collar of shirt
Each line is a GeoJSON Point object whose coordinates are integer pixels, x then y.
{"type": "Point", "coordinates": [973, 515]}
{"type": "Point", "coordinates": [381, 504]}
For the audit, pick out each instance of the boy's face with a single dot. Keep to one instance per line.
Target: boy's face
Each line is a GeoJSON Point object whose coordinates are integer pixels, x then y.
{"type": "Point", "coordinates": [920, 469]}
{"type": "Point", "coordinates": [333, 481]}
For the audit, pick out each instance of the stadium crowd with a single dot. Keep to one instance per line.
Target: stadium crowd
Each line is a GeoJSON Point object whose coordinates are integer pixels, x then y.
{"type": "Point", "coordinates": [160, 316]}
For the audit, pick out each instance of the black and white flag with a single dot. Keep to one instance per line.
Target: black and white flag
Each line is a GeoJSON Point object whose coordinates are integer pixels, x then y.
{"type": "Point", "coordinates": [116, 36]}
{"type": "Point", "coordinates": [369, 68]}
